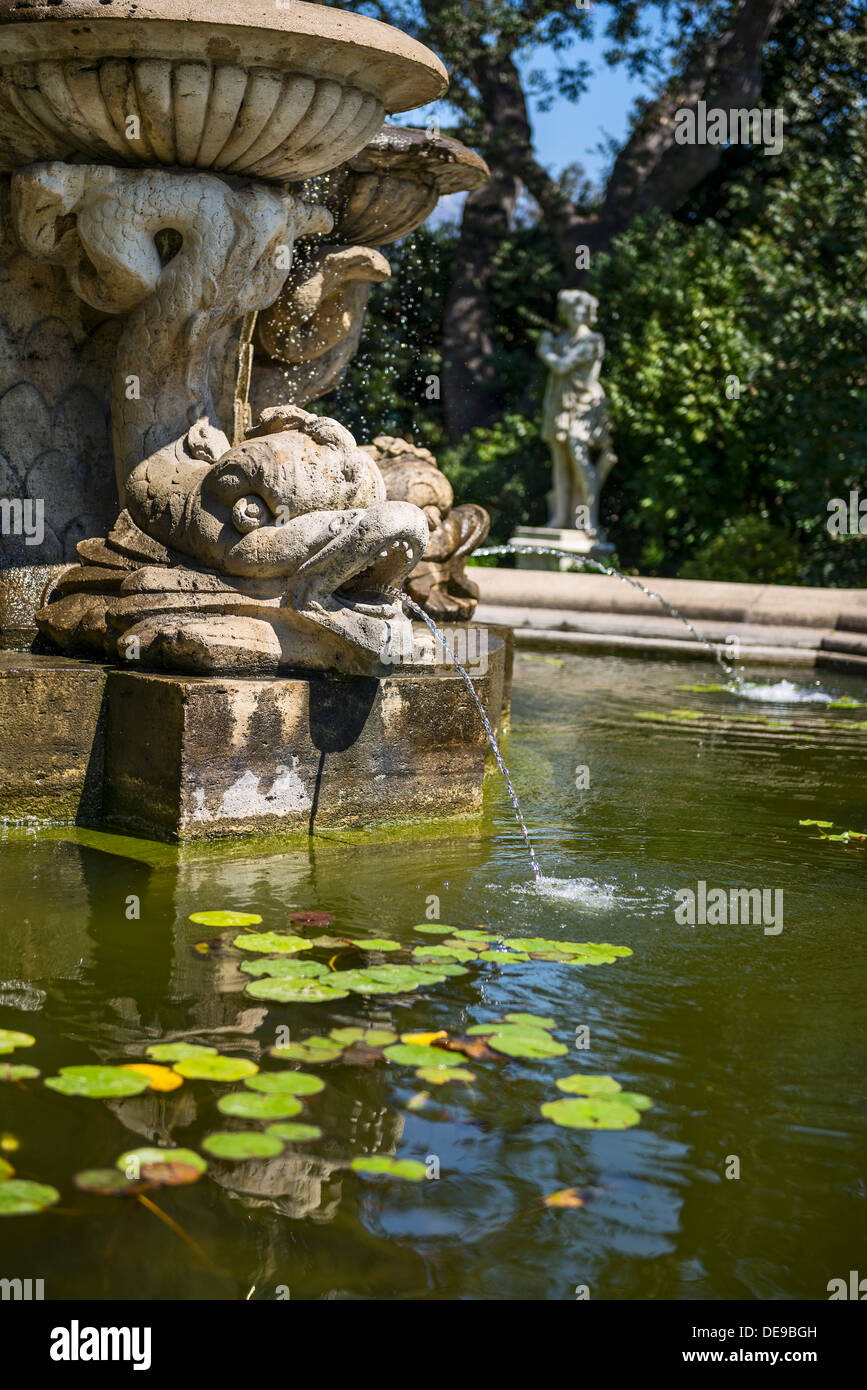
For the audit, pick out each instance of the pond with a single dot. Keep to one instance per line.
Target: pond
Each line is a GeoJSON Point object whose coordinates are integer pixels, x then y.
{"type": "Point", "coordinates": [743, 1180]}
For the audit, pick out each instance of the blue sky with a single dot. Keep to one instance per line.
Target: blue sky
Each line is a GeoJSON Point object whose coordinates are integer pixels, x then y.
{"type": "Point", "coordinates": [571, 132]}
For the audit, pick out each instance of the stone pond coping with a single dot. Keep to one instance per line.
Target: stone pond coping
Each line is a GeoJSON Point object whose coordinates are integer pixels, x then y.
{"type": "Point", "coordinates": [773, 623]}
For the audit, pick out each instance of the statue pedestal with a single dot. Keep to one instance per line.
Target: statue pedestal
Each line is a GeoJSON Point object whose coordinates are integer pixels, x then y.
{"type": "Point", "coordinates": [579, 544]}
{"type": "Point", "coordinates": [184, 758]}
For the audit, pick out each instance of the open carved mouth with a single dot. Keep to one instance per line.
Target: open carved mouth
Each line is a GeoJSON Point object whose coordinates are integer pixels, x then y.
{"type": "Point", "coordinates": [355, 575]}
{"type": "Point", "coordinates": [370, 589]}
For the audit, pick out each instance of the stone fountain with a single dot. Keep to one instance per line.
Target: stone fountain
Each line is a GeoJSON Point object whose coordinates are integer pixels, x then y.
{"type": "Point", "coordinates": [216, 564]}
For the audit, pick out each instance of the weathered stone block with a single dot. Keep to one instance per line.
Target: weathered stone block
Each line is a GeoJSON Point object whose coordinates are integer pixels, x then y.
{"type": "Point", "coordinates": [205, 757]}
{"type": "Point", "coordinates": [52, 720]}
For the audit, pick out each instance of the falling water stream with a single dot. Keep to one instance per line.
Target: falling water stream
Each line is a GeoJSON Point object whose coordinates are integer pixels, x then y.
{"type": "Point", "coordinates": [492, 739]}
{"type": "Point", "coordinates": [732, 673]}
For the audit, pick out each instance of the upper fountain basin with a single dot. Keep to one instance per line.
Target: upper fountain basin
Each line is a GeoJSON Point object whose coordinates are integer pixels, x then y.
{"type": "Point", "coordinates": [278, 89]}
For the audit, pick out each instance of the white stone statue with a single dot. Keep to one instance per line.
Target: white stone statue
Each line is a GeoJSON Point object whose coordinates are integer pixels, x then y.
{"type": "Point", "coordinates": [575, 421]}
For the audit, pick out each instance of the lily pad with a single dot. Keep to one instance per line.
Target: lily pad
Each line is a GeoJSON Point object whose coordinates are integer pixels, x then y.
{"type": "Point", "coordinates": [158, 1078]}
{"type": "Point", "coordinates": [636, 1100]}
{"type": "Point", "coordinates": [579, 1085]}
{"type": "Point", "coordinates": [408, 1168]}
{"type": "Point", "coordinates": [531, 1043]}
{"type": "Point", "coordinates": [377, 943]}
{"type": "Point", "coordinates": [383, 979]}
{"type": "Point", "coordinates": [433, 929]}
{"type": "Point", "coordinates": [596, 1112]}
{"type": "Point", "coordinates": [178, 1051]}
{"type": "Point", "coordinates": [312, 1049]}
{"type": "Point", "coordinates": [450, 953]}
{"type": "Point", "coordinates": [107, 1182]}
{"type": "Point", "coordinates": [18, 1197]}
{"type": "Point", "coordinates": [531, 1020]}
{"type": "Point", "coordinates": [215, 1068]}
{"type": "Point", "coordinates": [97, 1083]}
{"type": "Point", "coordinates": [311, 918]}
{"type": "Point", "coordinates": [417, 1055]}
{"type": "Point", "coordinates": [170, 1173]}
{"type": "Point", "coordinates": [438, 1076]}
{"type": "Point", "coordinates": [378, 1037]}
{"type": "Point", "coordinates": [295, 1133]}
{"type": "Point", "coordinates": [245, 1105]}
{"type": "Point", "coordinates": [134, 1161]}
{"type": "Point", "coordinates": [295, 990]}
{"type": "Point", "coordinates": [8, 1072]}
{"type": "Point", "coordinates": [286, 1083]}
{"type": "Point", "coordinates": [282, 968]}
{"type": "Point", "coordinates": [504, 957]}
{"type": "Point", "coordinates": [474, 934]}
{"type": "Point", "coordinates": [9, 1040]}
{"type": "Point", "coordinates": [241, 1144]}
{"type": "Point", "coordinates": [271, 942]}
{"type": "Point", "coordinates": [226, 919]}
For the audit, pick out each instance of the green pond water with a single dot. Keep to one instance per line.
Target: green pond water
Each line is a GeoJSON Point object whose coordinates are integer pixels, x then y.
{"type": "Point", "coordinates": [750, 1044]}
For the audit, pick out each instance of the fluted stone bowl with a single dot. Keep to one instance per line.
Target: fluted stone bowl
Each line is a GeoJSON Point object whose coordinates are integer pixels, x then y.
{"type": "Point", "coordinates": [278, 89]}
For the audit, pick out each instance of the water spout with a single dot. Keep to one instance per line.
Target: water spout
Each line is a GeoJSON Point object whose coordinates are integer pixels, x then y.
{"type": "Point", "coordinates": [492, 739]}
{"type": "Point", "coordinates": [732, 672]}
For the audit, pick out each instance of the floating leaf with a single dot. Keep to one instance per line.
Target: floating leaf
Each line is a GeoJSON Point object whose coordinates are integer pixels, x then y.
{"type": "Point", "coordinates": [242, 1144]}
{"type": "Point", "coordinates": [377, 943]}
{"type": "Point", "coordinates": [516, 1041]}
{"type": "Point", "coordinates": [414, 1055]}
{"type": "Point", "coordinates": [823, 824]}
{"type": "Point", "coordinates": [568, 1197]}
{"type": "Point", "coordinates": [433, 929]}
{"type": "Point", "coordinates": [295, 1133]}
{"type": "Point", "coordinates": [474, 934]}
{"type": "Point", "coordinates": [423, 1039]}
{"type": "Point", "coordinates": [159, 1078]}
{"type": "Point", "coordinates": [8, 1072]}
{"type": "Point", "coordinates": [458, 953]}
{"type": "Point", "coordinates": [177, 1051]}
{"type": "Point", "coordinates": [409, 1168]}
{"type": "Point", "coordinates": [225, 919]}
{"type": "Point", "coordinates": [311, 918]}
{"type": "Point", "coordinates": [579, 1085]}
{"type": "Point", "coordinates": [438, 1076]}
{"type": "Point", "coordinates": [134, 1161]}
{"type": "Point", "coordinates": [378, 1037]}
{"type": "Point", "coordinates": [384, 979]}
{"type": "Point", "coordinates": [280, 969]}
{"type": "Point", "coordinates": [215, 1068]}
{"type": "Point", "coordinates": [504, 957]}
{"type": "Point", "coordinates": [20, 1198]}
{"type": "Point", "coordinates": [246, 1105]}
{"type": "Point", "coordinates": [311, 1050]}
{"type": "Point", "coordinates": [289, 1083]}
{"type": "Point", "coordinates": [295, 990]}
{"type": "Point", "coordinates": [170, 1173]}
{"type": "Point", "coordinates": [346, 1036]}
{"type": "Point", "coordinates": [272, 942]}
{"type": "Point", "coordinates": [9, 1040]}
{"type": "Point", "coordinates": [636, 1100]}
{"type": "Point", "coordinates": [325, 943]}
{"type": "Point", "coordinates": [107, 1182]}
{"type": "Point", "coordinates": [97, 1083]}
{"type": "Point", "coordinates": [421, 1098]}
{"type": "Point", "coordinates": [596, 1112]}
{"type": "Point", "coordinates": [446, 970]}
{"type": "Point", "coordinates": [531, 1020]}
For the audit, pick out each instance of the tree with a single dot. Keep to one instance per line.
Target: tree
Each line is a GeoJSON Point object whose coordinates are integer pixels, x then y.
{"type": "Point", "coordinates": [717, 56]}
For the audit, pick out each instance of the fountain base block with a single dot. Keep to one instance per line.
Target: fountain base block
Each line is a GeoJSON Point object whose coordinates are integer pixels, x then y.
{"type": "Point", "coordinates": [182, 758]}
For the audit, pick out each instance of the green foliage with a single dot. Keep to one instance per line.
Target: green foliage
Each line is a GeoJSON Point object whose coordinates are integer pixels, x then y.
{"type": "Point", "coordinates": [749, 550]}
